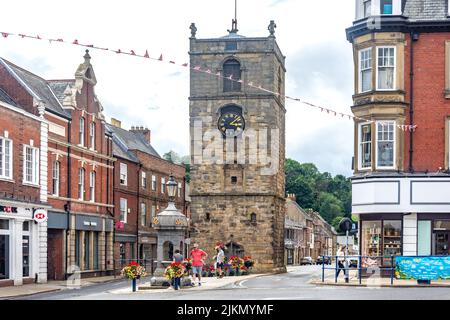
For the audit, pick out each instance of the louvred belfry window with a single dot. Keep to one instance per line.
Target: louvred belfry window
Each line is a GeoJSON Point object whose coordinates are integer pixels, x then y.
{"type": "Point", "coordinates": [231, 68]}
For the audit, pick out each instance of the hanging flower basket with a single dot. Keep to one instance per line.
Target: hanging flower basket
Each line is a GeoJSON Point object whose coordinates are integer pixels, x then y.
{"type": "Point", "coordinates": [174, 270]}
{"type": "Point", "coordinates": [133, 271]}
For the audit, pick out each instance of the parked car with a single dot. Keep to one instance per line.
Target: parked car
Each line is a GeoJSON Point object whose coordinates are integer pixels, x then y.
{"type": "Point", "coordinates": [323, 260]}
{"type": "Point", "coordinates": [306, 261]}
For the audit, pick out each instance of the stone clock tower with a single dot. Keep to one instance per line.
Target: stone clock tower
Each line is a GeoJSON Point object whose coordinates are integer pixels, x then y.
{"type": "Point", "coordinates": [238, 146]}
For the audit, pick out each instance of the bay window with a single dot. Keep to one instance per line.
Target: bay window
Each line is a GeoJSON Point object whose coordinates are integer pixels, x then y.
{"type": "Point", "coordinates": [31, 165]}
{"type": "Point", "coordinates": [365, 146]}
{"type": "Point", "coordinates": [385, 144]}
{"type": "Point", "coordinates": [386, 68]}
{"type": "Point", "coordinates": [365, 70]}
{"type": "Point", "coordinates": [5, 158]}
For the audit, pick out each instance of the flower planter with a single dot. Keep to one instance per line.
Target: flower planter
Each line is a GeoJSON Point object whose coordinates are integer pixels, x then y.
{"type": "Point", "coordinates": [133, 285]}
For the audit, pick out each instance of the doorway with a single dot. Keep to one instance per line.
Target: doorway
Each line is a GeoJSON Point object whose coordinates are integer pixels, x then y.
{"type": "Point", "coordinates": [4, 257]}
{"type": "Point", "coordinates": [442, 243]}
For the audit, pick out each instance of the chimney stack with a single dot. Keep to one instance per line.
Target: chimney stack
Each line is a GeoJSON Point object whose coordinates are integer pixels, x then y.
{"type": "Point", "coordinates": [144, 131]}
{"type": "Point", "coordinates": [291, 196]}
{"type": "Point", "coordinates": [116, 123]}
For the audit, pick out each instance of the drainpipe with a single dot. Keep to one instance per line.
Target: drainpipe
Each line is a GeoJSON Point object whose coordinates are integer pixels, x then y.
{"type": "Point", "coordinates": [414, 37]}
{"type": "Point", "coordinates": [69, 193]}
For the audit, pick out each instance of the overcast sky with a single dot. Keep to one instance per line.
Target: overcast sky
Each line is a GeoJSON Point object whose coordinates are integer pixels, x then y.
{"type": "Point", "coordinates": [311, 34]}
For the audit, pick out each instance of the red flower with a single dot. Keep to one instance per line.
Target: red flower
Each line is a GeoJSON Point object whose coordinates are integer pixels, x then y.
{"type": "Point", "coordinates": [134, 264]}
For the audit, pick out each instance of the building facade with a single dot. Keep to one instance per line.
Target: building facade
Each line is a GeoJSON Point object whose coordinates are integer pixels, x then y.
{"type": "Point", "coordinates": [401, 180]}
{"type": "Point", "coordinates": [23, 195]}
{"type": "Point", "coordinates": [79, 166]}
{"type": "Point", "coordinates": [140, 193]}
{"type": "Point", "coordinates": [307, 234]}
{"type": "Point", "coordinates": [236, 196]}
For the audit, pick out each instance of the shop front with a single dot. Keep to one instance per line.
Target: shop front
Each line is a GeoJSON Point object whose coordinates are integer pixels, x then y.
{"type": "Point", "coordinates": [433, 232]}
{"type": "Point", "coordinates": [22, 237]}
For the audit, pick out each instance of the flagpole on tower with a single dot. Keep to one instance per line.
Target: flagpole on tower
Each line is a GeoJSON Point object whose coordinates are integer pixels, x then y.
{"type": "Point", "coordinates": [234, 28]}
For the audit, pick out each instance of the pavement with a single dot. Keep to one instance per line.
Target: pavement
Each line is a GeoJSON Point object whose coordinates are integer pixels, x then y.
{"type": "Point", "coordinates": [52, 286]}
{"type": "Point", "coordinates": [374, 281]}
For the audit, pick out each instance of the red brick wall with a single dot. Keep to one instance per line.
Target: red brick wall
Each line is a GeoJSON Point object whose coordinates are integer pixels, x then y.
{"type": "Point", "coordinates": [19, 94]}
{"type": "Point", "coordinates": [430, 106]}
{"type": "Point", "coordinates": [128, 192]}
{"type": "Point", "coordinates": [20, 129]}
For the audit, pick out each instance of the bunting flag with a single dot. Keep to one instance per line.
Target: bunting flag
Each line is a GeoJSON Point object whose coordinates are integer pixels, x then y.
{"type": "Point", "coordinates": [218, 74]}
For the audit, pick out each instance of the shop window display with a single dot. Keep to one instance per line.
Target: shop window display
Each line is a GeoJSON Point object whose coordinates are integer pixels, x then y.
{"type": "Point", "coordinates": [371, 238]}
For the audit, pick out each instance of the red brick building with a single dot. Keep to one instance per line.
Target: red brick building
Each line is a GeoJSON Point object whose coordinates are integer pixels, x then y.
{"type": "Point", "coordinates": [140, 191]}
{"type": "Point", "coordinates": [23, 144]}
{"type": "Point", "coordinates": [80, 167]}
{"type": "Point", "coordinates": [401, 183]}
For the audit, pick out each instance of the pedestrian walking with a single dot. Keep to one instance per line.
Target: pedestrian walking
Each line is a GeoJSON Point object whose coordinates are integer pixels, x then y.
{"type": "Point", "coordinates": [198, 257]}
{"type": "Point", "coordinates": [178, 258]}
{"type": "Point", "coordinates": [340, 261]}
{"type": "Point", "coordinates": [220, 259]}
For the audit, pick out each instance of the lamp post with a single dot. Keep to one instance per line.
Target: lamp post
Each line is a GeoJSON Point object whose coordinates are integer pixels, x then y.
{"type": "Point", "coordinates": [171, 226]}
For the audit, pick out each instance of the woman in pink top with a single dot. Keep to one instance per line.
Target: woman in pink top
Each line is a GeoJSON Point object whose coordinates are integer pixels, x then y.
{"type": "Point", "coordinates": [198, 257]}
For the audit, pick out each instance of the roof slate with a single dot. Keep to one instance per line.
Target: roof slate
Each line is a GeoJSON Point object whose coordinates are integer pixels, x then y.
{"type": "Point", "coordinates": [59, 86]}
{"type": "Point", "coordinates": [422, 10]}
{"type": "Point", "coordinates": [39, 87]}
{"type": "Point", "coordinates": [127, 140]}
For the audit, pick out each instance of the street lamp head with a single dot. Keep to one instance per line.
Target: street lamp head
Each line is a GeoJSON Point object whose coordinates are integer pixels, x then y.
{"type": "Point", "coordinates": [171, 187]}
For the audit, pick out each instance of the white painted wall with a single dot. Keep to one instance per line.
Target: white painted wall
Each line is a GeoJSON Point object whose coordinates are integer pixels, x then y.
{"type": "Point", "coordinates": [418, 195]}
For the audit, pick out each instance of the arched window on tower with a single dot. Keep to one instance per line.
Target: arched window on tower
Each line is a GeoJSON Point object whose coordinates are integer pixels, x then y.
{"type": "Point", "coordinates": [231, 68]}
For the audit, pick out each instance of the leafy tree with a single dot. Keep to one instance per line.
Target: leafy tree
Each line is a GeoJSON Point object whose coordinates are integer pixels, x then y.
{"type": "Point", "coordinates": [330, 196]}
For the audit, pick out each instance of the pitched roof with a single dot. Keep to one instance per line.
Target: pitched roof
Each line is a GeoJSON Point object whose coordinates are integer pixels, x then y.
{"type": "Point", "coordinates": [59, 86]}
{"type": "Point", "coordinates": [127, 140]}
{"type": "Point", "coordinates": [422, 10]}
{"type": "Point", "coordinates": [5, 98]}
{"type": "Point", "coordinates": [37, 87]}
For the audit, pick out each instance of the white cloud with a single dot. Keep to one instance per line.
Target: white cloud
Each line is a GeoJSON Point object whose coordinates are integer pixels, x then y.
{"type": "Point", "coordinates": [149, 93]}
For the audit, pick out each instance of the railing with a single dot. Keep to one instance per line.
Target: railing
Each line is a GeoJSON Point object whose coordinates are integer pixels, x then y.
{"type": "Point", "coordinates": [148, 264]}
{"type": "Point", "coordinates": [386, 263]}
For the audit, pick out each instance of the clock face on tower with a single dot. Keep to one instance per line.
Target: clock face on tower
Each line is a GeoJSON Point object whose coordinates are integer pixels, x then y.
{"type": "Point", "coordinates": [231, 123]}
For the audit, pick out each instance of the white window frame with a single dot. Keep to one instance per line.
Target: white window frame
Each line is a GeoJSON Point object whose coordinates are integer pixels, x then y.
{"type": "Point", "coordinates": [154, 184]}
{"type": "Point", "coordinates": [163, 185]}
{"type": "Point", "coordinates": [92, 182]}
{"type": "Point", "coordinates": [152, 213]}
{"type": "Point", "coordinates": [364, 8]}
{"type": "Point", "coordinates": [360, 82]}
{"type": "Point", "coordinates": [81, 132]}
{"type": "Point", "coordinates": [395, 68]}
{"type": "Point", "coordinates": [56, 177]}
{"type": "Point", "coordinates": [34, 165]}
{"type": "Point", "coordinates": [179, 189]}
{"type": "Point", "coordinates": [81, 178]}
{"type": "Point", "coordinates": [360, 167]}
{"type": "Point", "coordinates": [92, 135]}
{"type": "Point", "coordinates": [144, 179]}
{"type": "Point", "coordinates": [143, 214]}
{"type": "Point", "coordinates": [123, 210]}
{"type": "Point", "coordinates": [123, 174]}
{"type": "Point", "coordinates": [394, 146]}
{"type": "Point", "coordinates": [10, 158]}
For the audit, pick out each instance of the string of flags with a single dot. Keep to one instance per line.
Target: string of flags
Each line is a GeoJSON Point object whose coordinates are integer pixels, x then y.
{"type": "Point", "coordinates": [198, 68]}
